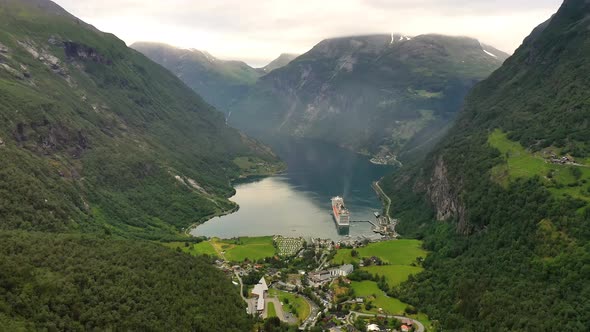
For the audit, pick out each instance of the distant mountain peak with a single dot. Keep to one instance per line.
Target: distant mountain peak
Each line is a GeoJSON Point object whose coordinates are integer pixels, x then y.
{"type": "Point", "coordinates": [218, 81]}
{"type": "Point", "coordinates": [283, 60]}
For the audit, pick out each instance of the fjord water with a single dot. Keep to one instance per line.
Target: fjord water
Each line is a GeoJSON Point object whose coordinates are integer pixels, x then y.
{"type": "Point", "coordinates": [297, 203]}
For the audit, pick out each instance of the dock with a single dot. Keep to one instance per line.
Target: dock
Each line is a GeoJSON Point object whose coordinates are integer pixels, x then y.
{"type": "Point", "coordinates": [370, 222]}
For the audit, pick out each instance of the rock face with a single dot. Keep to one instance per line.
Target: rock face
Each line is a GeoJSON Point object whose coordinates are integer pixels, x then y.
{"type": "Point", "coordinates": [80, 51]}
{"type": "Point", "coordinates": [378, 94]}
{"type": "Point", "coordinates": [444, 198]}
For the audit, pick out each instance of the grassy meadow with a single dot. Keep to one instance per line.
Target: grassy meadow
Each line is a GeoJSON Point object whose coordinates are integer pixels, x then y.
{"type": "Point", "coordinates": [371, 293]}
{"type": "Point", "coordinates": [195, 249]}
{"type": "Point", "coordinates": [240, 249]}
{"type": "Point", "coordinates": [292, 303]}
{"type": "Point", "coordinates": [397, 252]}
{"type": "Point", "coordinates": [272, 312]}
{"type": "Point", "coordinates": [520, 163]}
{"type": "Point", "coordinates": [400, 257]}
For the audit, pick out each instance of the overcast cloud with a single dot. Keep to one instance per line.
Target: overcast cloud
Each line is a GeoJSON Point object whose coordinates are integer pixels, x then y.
{"type": "Point", "coordinates": [258, 31]}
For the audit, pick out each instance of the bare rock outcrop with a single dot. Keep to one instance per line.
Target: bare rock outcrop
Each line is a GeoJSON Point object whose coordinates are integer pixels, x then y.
{"type": "Point", "coordinates": [75, 50]}
{"type": "Point", "coordinates": [445, 197]}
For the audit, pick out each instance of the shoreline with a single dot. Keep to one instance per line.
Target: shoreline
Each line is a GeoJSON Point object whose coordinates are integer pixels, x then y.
{"type": "Point", "coordinates": [236, 208]}
{"type": "Point", "coordinates": [209, 217]}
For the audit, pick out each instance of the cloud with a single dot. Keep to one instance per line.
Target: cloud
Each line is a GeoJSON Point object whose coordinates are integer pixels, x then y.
{"type": "Point", "coordinates": [258, 31]}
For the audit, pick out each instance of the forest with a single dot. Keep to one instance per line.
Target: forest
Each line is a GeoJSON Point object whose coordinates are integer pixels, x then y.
{"type": "Point", "coordinates": [52, 282]}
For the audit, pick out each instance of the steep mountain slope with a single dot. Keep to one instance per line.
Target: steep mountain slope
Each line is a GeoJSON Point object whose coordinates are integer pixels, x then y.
{"type": "Point", "coordinates": [101, 143]}
{"type": "Point", "coordinates": [95, 136]}
{"type": "Point", "coordinates": [379, 94]}
{"type": "Point", "coordinates": [510, 188]}
{"type": "Point", "coordinates": [283, 60]}
{"type": "Point", "coordinates": [219, 82]}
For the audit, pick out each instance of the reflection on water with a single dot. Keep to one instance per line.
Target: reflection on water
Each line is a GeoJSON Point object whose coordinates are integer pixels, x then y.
{"type": "Point", "coordinates": [297, 203]}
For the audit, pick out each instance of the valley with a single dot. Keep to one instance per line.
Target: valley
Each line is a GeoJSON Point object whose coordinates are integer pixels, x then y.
{"type": "Point", "coordinates": [364, 182]}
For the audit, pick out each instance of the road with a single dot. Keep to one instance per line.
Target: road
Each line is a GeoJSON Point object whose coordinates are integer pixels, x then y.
{"type": "Point", "coordinates": [382, 194]}
{"type": "Point", "coordinates": [419, 326]}
{"type": "Point", "coordinates": [241, 286]}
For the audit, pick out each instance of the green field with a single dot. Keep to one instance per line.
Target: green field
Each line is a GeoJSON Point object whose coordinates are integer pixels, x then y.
{"type": "Point", "coordinates": [401, 257]}
{"type": "Point", "coordinates": [253, 166]}
{"type": "Point", "coordinates": [520, 163]}
{"type": "Point", "coordinates": [292, 301]}
{"type": "Point", "coordinates": [201, 248]}
{"type": "Point", "coordinates": [371, 293]}
{"type": "Point", "coordinates": [272, 312]}
{"type": "Point", "coordinates": [394, 274]}
{"type": "Point", "coordinates": [240, 249]}
{"type": "Point", "coordinates": [395, 252]}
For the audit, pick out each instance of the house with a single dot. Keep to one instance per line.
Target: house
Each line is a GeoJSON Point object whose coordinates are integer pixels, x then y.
{"type": "Point", "coordinates": [373, 327]}
{"type": "Point", "coordinates": [408, 322]}
{"type": "Point", "coordinates": [341, 271]}
{"type": "Point", "coordinates": [287, 286]}
{"type": "Point", "coordinates": [405, 328]}
{"type": "Point", "coordinates": [260, 289]}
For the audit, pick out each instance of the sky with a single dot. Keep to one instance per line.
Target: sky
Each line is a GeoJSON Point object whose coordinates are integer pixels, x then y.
{"type": "Point", "coordinates": [257, 31]}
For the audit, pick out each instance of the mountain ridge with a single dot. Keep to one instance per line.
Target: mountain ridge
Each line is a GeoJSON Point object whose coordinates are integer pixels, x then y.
{"type": "Point", "coordinates": [376, 94]}
{"type": "Point", "coordinates": [220, 82]}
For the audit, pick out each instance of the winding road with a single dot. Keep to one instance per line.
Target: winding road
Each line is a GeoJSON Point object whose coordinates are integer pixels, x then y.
{"type": "Point", "coordinates": [419, 326]}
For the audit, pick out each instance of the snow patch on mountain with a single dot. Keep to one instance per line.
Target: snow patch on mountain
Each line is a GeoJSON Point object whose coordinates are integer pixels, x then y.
{"type": "Point", "coordinates": [490, 54]}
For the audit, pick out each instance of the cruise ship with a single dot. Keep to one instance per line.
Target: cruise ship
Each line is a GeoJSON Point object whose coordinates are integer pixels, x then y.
{"type": "Point", "coordinates": [341, 214]}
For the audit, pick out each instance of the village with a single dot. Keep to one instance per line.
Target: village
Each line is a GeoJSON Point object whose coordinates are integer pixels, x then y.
{"type": "Point", "coordinates": [304, 284]}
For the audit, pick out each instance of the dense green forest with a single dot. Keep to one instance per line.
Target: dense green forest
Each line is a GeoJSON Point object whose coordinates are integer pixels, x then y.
{"type": "Point", "coordinates": [507, 225]}
{"type": "Point", "coordinates": [84, 283]}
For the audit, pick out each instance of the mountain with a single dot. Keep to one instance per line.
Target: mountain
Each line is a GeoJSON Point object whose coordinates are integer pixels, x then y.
{"type": "Point", "coordinates": [283, 60]}
{"type": "Point", "coordinates": [382, 95]}
{"type": "Point", "coordinates": [219, 82]}
{"type": "Point", "coordinates": [95, 135]}
{"type": "Point", "coordinates": [103, 155]}
{"type": "Point", "coordinates": [503, 202]}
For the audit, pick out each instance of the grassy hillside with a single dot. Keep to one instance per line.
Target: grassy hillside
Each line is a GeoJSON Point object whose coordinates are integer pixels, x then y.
{"type": "Point", "coordinates": [97, 137]}
{"type": "Point", "coordinates": [382, 95]}
{"type": "Point", "coordinates": [507, 225]}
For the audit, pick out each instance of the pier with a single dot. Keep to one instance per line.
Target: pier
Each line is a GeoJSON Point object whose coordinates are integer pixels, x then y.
{"type": "Point", "coordinates": [370, 222]}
